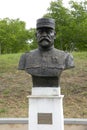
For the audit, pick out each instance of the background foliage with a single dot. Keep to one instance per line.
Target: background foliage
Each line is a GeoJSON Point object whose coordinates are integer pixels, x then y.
{"type": "Point", "coordinates": [71, 24]}
{"type": "Point", "coordinates": [71, 29]}
{"type": "Point", "coordinates": [13, 36]}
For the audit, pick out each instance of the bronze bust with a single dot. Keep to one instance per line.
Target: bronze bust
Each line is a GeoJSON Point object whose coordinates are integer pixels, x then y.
{"type": "Point", "coordinates": [45, 63]}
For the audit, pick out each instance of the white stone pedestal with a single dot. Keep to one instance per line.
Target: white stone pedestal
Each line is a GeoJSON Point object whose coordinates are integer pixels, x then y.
{"type": "Point", "coordinates": [45, 112]}
{"type": "Point", "coordinates": [46, 91]}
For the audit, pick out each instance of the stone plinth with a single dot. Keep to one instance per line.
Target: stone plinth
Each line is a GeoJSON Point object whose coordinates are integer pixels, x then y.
{"type": "Point", "coordinates": [46, 112]}
{"type": "Point", "coordinates": [46, 91]}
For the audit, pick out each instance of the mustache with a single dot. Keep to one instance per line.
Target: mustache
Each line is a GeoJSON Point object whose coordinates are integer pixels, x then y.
{"type": "Point", "coordinates": [44, 38]}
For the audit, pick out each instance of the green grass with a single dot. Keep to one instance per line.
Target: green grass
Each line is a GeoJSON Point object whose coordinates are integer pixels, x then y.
{"type": "Point", "coordinates": [15, 86]}
{"type": "Point", "coordinates": [80, 55]}
{"type": "Point", "coordinates": [2, 110]}
{"type": "Point", "coordinates": [8, 62]}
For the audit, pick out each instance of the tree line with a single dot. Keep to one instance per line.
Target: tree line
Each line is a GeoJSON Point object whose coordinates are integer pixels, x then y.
{"type": "Point", "coordinates": [13, 36]}
{"type": "Point", "coordinates": [71, 29]}
{"type": "Point", "coordinates": [71, 25]}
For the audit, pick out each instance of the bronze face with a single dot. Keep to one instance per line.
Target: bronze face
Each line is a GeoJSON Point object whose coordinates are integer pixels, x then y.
{"type": "Point", "coordinates": [45, 37]}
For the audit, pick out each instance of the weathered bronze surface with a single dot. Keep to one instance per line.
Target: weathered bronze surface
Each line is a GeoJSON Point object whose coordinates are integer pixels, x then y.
{"type": "Point", "coordinates": [45, 63]}
{"type": "Point", "coordinates": [44, 118]}
{"type": "Point", "coordinates": [45, 81]}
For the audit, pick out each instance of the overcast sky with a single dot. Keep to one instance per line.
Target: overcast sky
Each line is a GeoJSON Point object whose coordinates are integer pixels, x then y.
{"type": "Point", "coordinates": [26, 10]}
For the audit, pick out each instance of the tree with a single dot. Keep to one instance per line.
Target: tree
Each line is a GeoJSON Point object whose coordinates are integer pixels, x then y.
{"type": "Point", "coordinates": [13, 36]}
{"type": "Point", "coordinates": [62, 18]}
{"type": "Point", "coordinates": [71, 24]}
{"type": "Point", "coordinates": [79, 14]}
{"type": "Point", "coordinates": [32, 39]}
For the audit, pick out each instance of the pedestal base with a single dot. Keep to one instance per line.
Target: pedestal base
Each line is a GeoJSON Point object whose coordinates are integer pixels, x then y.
{"type": "Point", "coordinates": [46, 113]}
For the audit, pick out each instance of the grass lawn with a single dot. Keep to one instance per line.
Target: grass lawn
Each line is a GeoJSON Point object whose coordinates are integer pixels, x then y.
{"type": "Point", "coordinates": [16, 85]}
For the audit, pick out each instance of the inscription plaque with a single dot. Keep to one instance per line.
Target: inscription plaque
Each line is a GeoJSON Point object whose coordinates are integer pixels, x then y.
{"type": "Point", "coordinates": [44, 118]}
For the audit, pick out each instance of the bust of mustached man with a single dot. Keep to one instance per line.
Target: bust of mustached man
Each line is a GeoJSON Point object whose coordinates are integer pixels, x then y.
{"type": "Point", "coordinates": [46, 63]}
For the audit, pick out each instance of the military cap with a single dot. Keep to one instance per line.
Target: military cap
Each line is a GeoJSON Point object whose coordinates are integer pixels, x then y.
{"type": "Point", "coordinates": [45, 22]}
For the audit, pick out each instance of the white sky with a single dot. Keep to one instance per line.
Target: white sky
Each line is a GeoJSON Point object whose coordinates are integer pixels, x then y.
{"type": "Point", "coordinates": [26, 10]}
